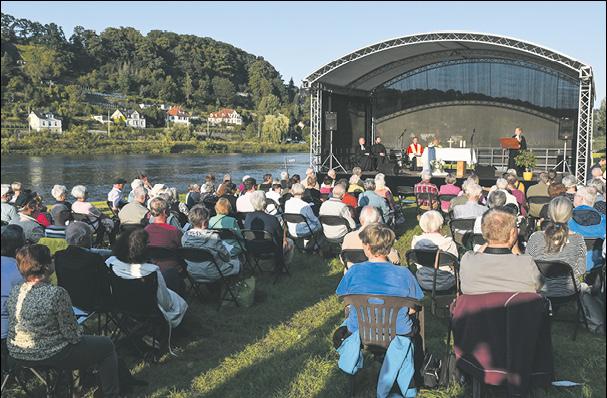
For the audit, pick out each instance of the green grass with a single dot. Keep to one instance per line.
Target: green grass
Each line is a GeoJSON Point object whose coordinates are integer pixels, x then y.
{"type": "Point", "coordinates": [281, 346]}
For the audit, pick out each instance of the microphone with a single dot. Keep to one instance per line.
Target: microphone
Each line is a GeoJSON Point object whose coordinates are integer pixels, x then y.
{"type": "Point", "coordinates": [403, 133]}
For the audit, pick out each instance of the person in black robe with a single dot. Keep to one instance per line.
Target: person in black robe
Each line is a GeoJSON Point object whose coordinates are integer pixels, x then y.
{"type": "Point", "coordinates": [513, 153]}
{"type": "Point", "coordinates": [362, 154]}
{"type": "Point", "coordinates": [378, 150]}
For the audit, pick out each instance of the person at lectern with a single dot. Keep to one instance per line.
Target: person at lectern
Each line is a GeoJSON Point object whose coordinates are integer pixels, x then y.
{"type": "Point", "coordinates": [512, 153]}
{"type": "Point", "coordinates": [362, 153]}
{"type": "Point", "coordinates": [414, 151]}
{"type": "Point", "coordinates": [378, 150]}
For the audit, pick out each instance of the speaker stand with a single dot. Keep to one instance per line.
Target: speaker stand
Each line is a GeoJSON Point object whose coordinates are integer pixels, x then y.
{"type": "Point", "coordinates": [332, 157]}
{"type": "Point", "coordinates": [564, 161]}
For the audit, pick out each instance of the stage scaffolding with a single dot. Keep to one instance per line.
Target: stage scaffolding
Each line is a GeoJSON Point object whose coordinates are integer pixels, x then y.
{"type": "Point", "coordinates": [317, 82]}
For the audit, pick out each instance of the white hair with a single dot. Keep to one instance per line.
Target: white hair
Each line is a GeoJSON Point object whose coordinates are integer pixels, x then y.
{"type": "Point", "coordinates": [369, 215]}
{"type": "Point", "coordinates": [501, 183]}
{"type": "Point", "coordinates": [354, 179]}
{"type": "Point", "coordinates": [585, 195]}
{"type": "Point", "coordinates": [284, 175]}
{"type": "Point", "coordinates": [79, 191]}
{"type": "Point", "coordinates": [244, 178]}
{"type": "Point", "coordinates": [426, 176]}
{"type": "Point", "coordinates": [380, 181]}
{"type": "Point", "coordinates": [139, 192]}
{"type": "Point", "coordinates": [431, 221]}
{"type": "Point", "coordinates": [298, 189]}
{"type": "Point", "coordinates": [569, 181]}
{"type": "Point", "coordinates": [136, 183]}
{"type": "Point", "coordinates": [338, 191]}
{"type": "Point", "coordinates": [473, 190]}
{"type": "Point", "coordinates": [58, 191]}
{"type": "Point", "coordinates": [512, 171]}
{"type": "Point", "coordinates": [258, 200]}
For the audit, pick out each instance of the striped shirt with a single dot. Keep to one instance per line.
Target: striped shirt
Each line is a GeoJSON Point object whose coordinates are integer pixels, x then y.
{"type": "Point", "coordinates": [573, 253]}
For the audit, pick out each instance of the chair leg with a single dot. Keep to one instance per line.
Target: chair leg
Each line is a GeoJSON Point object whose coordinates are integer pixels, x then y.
{"type": "Point", "coordinates": [352, 389]}
{"type": "Point", "coordinates": [477, 388]}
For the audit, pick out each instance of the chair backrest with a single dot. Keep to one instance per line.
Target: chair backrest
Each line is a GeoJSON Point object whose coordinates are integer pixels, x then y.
{"type": "Point", "coordinates": [272, 202]}
{"type": "Point", "coordinates": [87, 284]}
{"type": "Point", "coordinates": [553, 269]}
{"type": "Point", "coordinates": [135, 297]}
{"type": "Point", "coordinates": [377, 316]}
{"type": "Point", "coordinates": [405, 191]}
{"type": "Point", "coordinates": [160, 253]}
{"type": "Point", "coordinates": [297, 218]}
{"type": "Point", "coordinates": [225, 233]}
{"type": "Point", "coordinates": [538, 200]}
{"type": "Point", "coordinates": [423, 257]}
{"type": "Point", "coordinates": [471, 239]}
{"type": "Point", "coordinates": [334, 221]}
{"type": "Point", "coordinates": [461, 224]}
{"type": "Point", "coordinates": [241, 216]}
{"type": "Point", "coordinates": [426, 199]}
{"type": "Point", "coordinates": [594, 244]}
{"type": "Point", "coordinates": [259, 242]}
{"type": "Point", "coordinates": [111, 207]}
{"type": "Point", "coordinates": [129, 227]}
{"type": "Point", "coordinates": [446, 197]}
{"type": "Point", "coordinates": [353, 256]}
{"type": "Point", "coordinates": [195, 255]}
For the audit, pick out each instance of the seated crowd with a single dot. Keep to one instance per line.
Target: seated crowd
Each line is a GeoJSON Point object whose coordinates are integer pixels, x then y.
{"type": "Point", "coordinates": [153, 221]}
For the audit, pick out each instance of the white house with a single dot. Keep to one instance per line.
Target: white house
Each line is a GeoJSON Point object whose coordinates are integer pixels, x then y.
{"type": "Point", "coordinates": [225, 115]}
{"type": "Point", "coordinates": [135, 119]}
{"type": "Point", "coordinates": [44, 122]}
{"type": "Point", "coordinates": [129, 118]}
{"type": "Point", "coordinates": [145, 106]}
{"type": "Point", "coordinates": [177, 116]}
{"type": "Point", "coordinates": [101, 119]}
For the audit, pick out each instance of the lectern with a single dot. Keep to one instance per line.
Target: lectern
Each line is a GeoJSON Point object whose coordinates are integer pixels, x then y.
{"type": "Point", "coordinates": [508, 143]}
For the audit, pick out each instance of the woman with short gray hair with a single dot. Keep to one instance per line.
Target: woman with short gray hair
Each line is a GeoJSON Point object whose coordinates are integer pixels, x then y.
{"type": "Point", "coordinates": [431, 223]}
{"type": "Point", "coordinates": [94, 215]}
{"type": "Point", "coordinates": [200, 237]}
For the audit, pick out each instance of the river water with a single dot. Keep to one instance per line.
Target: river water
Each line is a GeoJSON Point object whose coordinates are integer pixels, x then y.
{"type": "Point", "coordinates": [97, 172]}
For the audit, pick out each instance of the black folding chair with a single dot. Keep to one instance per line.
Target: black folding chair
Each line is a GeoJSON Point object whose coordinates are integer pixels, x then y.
{"type": "Point", "coordinates": [157, 253]}
{"type": "Point", "coordinates": [459, 227]}
{"type": "Point", "coordinates": [272, 203]}
{"type": "Point", "coordinates": [98, 229]}
{"type": "Point", "coordinates": [135, 309]}
{"type": "Point", "coordinates": [404, 192]}
{"type": "Point", "coordinates": [199, 255]}
{"type": "Point", "coordinates": [352, 256]}
{"type": "Point", "coordinates": [537, 200]}
{"type": "Point", "coordinates": [240, 217]}
{"type": "Point", "coordinates": [559, 269]}
{"type": "Point", "coordinates": [110, 206]}
{"type": "Point", "coordinates": [426, 201]}
{"type": "Point", "coordinates": [334, 221]}
{"type": "Point", "coordinates": [129, 227]}
{"type": "Point", "coordinates": [446, 198]}
{"type": "Point", "coordinates": [427, 258]}
{"type": "Point", "coordinates": [88, 286]}
{"type": "Point", "coordinates": [471, 239]}
{"type": "Point", "coordinates": [295, 218]}
{"type": "Point", "coordinates": [225, 233]}
{"type": "Point", "coordinates": [261, 245]}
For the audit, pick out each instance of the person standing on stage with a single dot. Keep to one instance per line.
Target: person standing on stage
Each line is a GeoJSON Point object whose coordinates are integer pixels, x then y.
{"type": "Point", "coordinates": [513, 153]}
{"type": "Point", "coordinates": [379, 154]}
{"type": "Point", "coordinates": [362, 152]}
{"type": "Point", "coordinates": [414, 151]}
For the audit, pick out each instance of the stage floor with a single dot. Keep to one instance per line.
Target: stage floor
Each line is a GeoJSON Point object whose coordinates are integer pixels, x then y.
{"type": "Point", "coordinates": [410, 178]}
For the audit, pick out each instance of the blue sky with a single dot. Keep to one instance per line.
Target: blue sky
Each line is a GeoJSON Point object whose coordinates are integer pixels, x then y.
{"type": "Point", "coordinates": [297, 38]}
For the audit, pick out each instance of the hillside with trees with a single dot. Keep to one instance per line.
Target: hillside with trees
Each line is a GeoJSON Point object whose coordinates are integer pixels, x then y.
{"type": "Point", "coordinates": [89, 73]}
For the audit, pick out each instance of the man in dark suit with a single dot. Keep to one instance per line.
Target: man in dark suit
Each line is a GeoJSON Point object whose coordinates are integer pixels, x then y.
{"type": "Point", "coordinates": [362, 155]}
{"type": "Point", "coordinates": [513, 153]}
{"type": "Point", "coordinates": [379, 155]}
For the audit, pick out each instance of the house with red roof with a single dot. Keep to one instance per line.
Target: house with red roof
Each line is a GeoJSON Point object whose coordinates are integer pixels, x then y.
{"type": "Point", "coordinates": [177, 115]}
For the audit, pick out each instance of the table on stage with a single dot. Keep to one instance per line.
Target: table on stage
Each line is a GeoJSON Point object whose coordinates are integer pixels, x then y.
{"type": "Point", "coordinates": [459, 155]}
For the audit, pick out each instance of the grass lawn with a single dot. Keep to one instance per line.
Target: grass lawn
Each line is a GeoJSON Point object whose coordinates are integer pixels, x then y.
{"type": "Point", "coordinates": [281, 346]}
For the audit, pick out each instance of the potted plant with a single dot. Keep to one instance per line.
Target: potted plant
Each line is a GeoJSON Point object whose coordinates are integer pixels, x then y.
{"type": "Point", "coordinates": [526, 159]}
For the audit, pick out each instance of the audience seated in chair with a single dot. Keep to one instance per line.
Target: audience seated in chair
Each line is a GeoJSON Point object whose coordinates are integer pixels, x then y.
{"type": "Point", "coordinates": [135, 211]}
{"type": "Point", "coordinates": [93, 214]}
{"type": "Point", "coordinates": [243, 203]}
{"type": "Point", "coordinates": [370, 198]}
{"type": "Point", "coordinates": [462, 198]}
{"type": "Point", "coordinates": [554, 190]}
{"type": "Point", "coordinates": [296, 205]}
{"type": "Point", "coordinates": [588, 222]}
{"type": "Point", "coordinates": [13, 239]}
{"type": "Point", "coordinates": [472, 208]}
{"type": "Point", "coordinates": [352, 241]}
{"type": "Point", "coordinates": [259, 220]}
{"type": "Point", "coordinates": [448, 188]}
{"type": "Point", "coordinates": [9, 211]}
{"type": "Point", "coordinates": [335, 207]}
{"type": "Point", "coordinates": [42, 327]}
{"type": "Point", "coordinates": [425, 186]}
{"type": "Point", "coordinates": [498, 266]}
{"type": "Point", "coordinates": [378, 276]}
{"type": "Point", "coordinates": [494, 199]}
{"type": "Point", "coordinates": [539, 189]}
{"type": "Point", "coordinates": [200, 237]}
{"type": "Point", "coordinates": [114, 197]}
{"type": "Point", "coordinates": [557, 243]}
{"type": "Point", "coordinates": [224, 220]}
{"type": "Point", "coordinates": [129, 261]}
{"type": "Point", "coordinates": [29, 208]}
{"type": "Point", "coordinates": [431, 224]}
{"type": "Point", "coordinates": [274, 193]}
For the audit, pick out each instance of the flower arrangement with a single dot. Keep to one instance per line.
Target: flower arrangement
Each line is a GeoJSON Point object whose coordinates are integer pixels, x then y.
{"type": "Point", "coordinates": [438, 165]}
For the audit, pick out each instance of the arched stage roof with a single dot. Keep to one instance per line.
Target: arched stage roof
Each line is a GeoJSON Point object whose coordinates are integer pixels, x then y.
{"type": "Point", "coordinates": [362, 71]}
{"type": "Point", "coordinates": [371, 66]}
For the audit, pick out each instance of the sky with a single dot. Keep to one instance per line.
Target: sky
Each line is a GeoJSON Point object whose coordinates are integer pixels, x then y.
{"type": "Point", "coordinates": [299, 37]}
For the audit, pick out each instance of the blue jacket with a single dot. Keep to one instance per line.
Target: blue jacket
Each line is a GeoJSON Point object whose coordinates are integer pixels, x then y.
{"type": "Point", "coordinates": [589, 223]}
{"type": "Point", "coordinates": [397, 366]}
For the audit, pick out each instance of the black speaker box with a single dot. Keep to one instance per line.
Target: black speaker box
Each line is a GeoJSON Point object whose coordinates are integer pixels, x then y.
{"type": "Point", "coordinates": [330, 121]}
{"type": "Point", "coordinates": [566, 128]}
{"type": "Point", "coordinates": [484, 171]}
